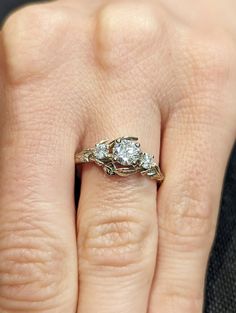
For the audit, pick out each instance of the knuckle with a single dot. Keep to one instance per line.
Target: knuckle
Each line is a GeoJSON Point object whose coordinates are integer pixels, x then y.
{"type": "Point", "coordinates": [186, 220]}
{"type": "Point", "coordinates": [31, 36]}
{"type": "Point", "coordinates": [122, 34]}
{"type": "Point", "coordinates": [119, 238]}
{"type": "Point", "coordinates": [210, 61]}
{"type": "Point", "coordinates": [32, 266]}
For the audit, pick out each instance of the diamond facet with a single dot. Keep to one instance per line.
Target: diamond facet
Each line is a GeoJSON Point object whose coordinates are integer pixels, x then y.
{"type": "Point", "coordinates": [126, 152]}
{"type": "Point", "coordinates": [147, 161]}
{"type": "Point", "coordinates": [101, 151]}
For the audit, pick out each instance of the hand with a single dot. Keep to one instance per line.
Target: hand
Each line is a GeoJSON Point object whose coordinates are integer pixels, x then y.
{"type": "Point", "coordinates": [76, 72]}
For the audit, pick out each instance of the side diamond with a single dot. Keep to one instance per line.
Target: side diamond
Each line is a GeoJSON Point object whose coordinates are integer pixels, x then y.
{"type": "Point", "coordinates": [101, 151]}
{"type": "Point", "coordinates": [147, 161]}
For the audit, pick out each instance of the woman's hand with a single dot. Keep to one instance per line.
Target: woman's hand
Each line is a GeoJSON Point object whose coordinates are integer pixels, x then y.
{"type": "Point", "coordinates": [73, 73]}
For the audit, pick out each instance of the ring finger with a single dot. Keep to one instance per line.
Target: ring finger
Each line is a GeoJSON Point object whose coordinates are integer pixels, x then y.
{"type": "Point", "coordinates": [117, 216]}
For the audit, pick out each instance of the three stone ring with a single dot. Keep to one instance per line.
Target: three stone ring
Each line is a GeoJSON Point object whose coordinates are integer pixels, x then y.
{"type": "Point", "coordinates": [122, 157]}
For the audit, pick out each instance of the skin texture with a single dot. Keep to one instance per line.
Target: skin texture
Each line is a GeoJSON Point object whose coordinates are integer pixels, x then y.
{"type": "Point", "coordinates": [73, 73]}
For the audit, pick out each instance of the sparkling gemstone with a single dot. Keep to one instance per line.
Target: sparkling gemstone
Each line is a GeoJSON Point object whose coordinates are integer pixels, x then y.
{"type": "Point", "coordinates": [101, 151]}
{"type": "Point", "coordinates": [126, 152]}
{"type": "Point", "coordinates": [147, 161]}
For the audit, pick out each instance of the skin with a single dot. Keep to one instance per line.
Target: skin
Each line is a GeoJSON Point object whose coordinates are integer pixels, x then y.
{"type": "Point", "coordinates": [73, 73]}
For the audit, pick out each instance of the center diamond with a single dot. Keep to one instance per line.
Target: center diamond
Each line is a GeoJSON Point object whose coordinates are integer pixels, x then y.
{"type": "Point", "coordinates": [126, 152]}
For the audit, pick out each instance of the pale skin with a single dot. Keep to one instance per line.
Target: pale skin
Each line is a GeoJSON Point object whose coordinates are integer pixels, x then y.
{"type": "Point", "coordinates": [75, 72]}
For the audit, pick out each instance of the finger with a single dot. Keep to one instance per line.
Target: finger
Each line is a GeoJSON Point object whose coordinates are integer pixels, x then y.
{"type": "Point", "coordinates": [195, 150]}
{"type": "Point", "coordinates": [38, 258]}
{"type": "Point", "coordinates": [117, 216]}
{"type": "Point", "coordinates": [37, 234]}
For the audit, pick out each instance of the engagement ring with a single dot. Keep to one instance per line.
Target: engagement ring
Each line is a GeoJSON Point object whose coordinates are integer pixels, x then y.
{"type": "Point", "coordinates": [123, 157]}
